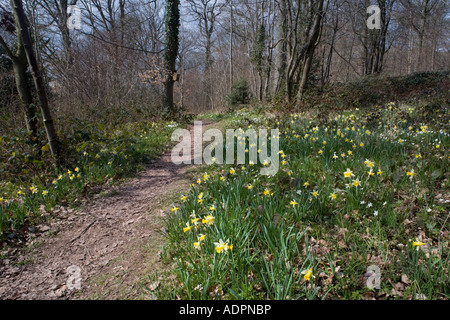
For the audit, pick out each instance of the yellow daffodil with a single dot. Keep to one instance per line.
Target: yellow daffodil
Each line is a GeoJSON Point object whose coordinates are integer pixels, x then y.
{"type": "Point", "coordinates": [197, 245]}
{"type": "Point", "coordinates": [307, 274]}
{"type": "Point", "coordinates": [410, 174]}
{"type": "Point", "coordinates": [369, 163]}
{"type": "Point", "coordinates": [222, 246]}
{"type": "Point", "coordinates": [348, 173]}
{"type": "Point", "coordinates": [293, 203]}
{"type": "Point", "coordinates": [417, 244]}
{"type": "Point", "coordinates": [209, 220]}
{"type": "Point", "coordinates": [187, 228]}
{"type": "Point", "coordinates": [333, 196]}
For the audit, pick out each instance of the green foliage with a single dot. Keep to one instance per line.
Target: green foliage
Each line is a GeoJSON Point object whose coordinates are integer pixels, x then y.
{"type": "Point", "coordinates": [311, 217]}
{"type": "Point", "coordinates": [95, 154]}
{"type": "Point", "coordinates": [367, 92]}
{"type": "Point", "coordinates": [257, 54]}
{"type": "Point", "coordinates": [240, 94]}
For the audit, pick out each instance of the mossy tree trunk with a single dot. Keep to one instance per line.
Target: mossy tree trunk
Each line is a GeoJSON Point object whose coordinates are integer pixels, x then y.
{"type": "Point", "coordinates": [172, 22]}
{"type": "Point", "coordinates": [20, 65]}
{"type": "Point", "coordinates": [52, 137]}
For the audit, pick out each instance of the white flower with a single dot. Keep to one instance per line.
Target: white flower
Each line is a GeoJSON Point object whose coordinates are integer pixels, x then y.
{"type": "Point", "coordinates": [369, 205]}
{"type": "Point", "coordinates": [362, 202]}
{"type": "Point", "coordinates": [429, 210]}
{"type": "Point", "coordinates": [375, 213]}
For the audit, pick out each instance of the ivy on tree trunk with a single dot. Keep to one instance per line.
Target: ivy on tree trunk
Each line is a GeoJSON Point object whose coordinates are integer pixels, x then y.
{"type": "Point", "coordinates": [172, 23]}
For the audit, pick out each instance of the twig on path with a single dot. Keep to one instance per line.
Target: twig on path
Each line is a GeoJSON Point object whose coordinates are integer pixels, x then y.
{"type": "Point", "coordinates": [84, 230]}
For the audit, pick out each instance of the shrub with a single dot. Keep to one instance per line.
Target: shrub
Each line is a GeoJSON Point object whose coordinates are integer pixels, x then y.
{"type": "Point", "coordinates": [240, 94]}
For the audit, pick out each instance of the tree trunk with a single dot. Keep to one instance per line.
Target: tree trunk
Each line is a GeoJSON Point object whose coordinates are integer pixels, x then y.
{"type": "Point", "coordinates": [19, 62]}
{"type": "Point", "coordinates": [326, 75]}
{"type": "Point", "coordinates": [280, 47]}
{"type": "Point", "coordinates": [38, 81]}
{"type": "Point", "coordinates": [421, 33]}
{"type": "Point", "coordinates": [231, 47]}
{"type": "Point", "coordinates": [170, 55]}
{"type": "Point", "coordinates": [305, 74]}
{"type": "Point", "coordinates": [25, 96]}
{"type": "Point", "coordinates": [310, 47]}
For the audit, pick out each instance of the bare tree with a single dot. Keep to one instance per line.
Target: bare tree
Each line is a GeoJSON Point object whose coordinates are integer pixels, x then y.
{"type": "Point", "coordinates": [38, 80]}
{"type": "Point", "coordinates": [280, 45]}
{"type": "Point", "coordinates": [304, 29]}
{"type": "Point", "coordinates": [206, 12]}
{"type": "Point", "coordinates": [20, 66]}
{"type": "Point", "coordinates": [58, 10]}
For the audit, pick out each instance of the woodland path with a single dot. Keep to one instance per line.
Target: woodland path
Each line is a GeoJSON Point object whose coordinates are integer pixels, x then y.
{"type": "Point", "coordinates": [114, 240]}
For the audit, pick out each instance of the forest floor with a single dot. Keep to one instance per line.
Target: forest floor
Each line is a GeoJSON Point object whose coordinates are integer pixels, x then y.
{"type": "Point", "coordinates": [112, 242]}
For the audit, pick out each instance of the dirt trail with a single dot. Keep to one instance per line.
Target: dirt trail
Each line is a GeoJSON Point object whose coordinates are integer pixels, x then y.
{"type": "Point", "coordinates": [114, 241]}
